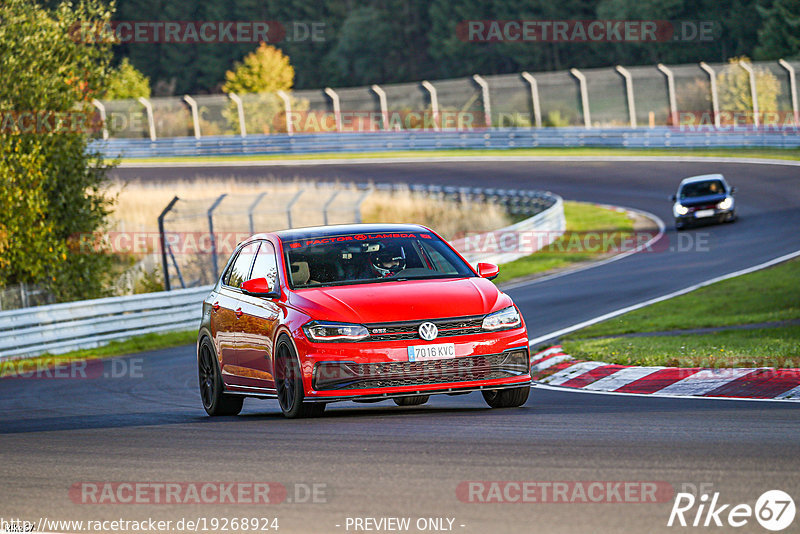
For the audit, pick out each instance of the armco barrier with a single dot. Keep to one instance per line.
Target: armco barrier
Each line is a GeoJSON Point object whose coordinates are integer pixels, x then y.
{"type": "Point", "coordinates": [549, 224]}
{"type": "Point", "coordinates": [59, 328]}
{"type": "Point", "coordinates": [495, 138]}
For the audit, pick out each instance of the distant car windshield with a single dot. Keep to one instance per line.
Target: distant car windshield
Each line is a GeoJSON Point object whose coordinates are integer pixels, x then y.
{"type": "Point", "coordinates": [702, 189]}
{"type": "Point", "coordinates": [343, 259]}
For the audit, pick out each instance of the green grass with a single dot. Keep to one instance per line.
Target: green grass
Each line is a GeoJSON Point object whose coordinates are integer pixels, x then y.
{"type": "Point", "coordinates": [562, 253]}
{"type": "Point", "coordinates": [763, 347]}
{"type": "Point", "coordinates": [764, 296]}
{"type": "Point", "coordinates": [115, 348]}
{"type": "Point", "coordinates": [769, 295]}
{"type": "Point", "coordinates": [785, 154]}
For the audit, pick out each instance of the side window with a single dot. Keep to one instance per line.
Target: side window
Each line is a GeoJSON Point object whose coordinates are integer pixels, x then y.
{"type": "Point", "coordinates": [266, 264]}
{"type": "Point", "coordinates": [240, 270]}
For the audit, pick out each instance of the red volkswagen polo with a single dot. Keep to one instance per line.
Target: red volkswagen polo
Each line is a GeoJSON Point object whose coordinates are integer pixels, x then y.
{"type": "Point", "coordinates": [360, 313]}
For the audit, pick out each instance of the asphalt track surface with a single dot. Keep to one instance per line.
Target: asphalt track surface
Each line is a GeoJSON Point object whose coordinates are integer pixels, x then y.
{"type": "Point", "coordinates": [380, 460]}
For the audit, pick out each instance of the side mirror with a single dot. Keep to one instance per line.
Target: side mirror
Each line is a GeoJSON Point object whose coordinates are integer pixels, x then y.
{"type": "Point", "coordinates": [488, 270]}
{"type": "Point", "coordinates": [733, 189]}
{"type": "Point", "coordinates": [258, 287]}
{"type": "Point", "coordinates": [673, 198]}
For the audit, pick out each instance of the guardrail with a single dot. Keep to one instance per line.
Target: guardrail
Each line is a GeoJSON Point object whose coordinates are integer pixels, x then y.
{"type": "Point", "coordinates": [546, 226]}
{"type": "Point", "coordinates": [59, 328]}
{"type": "Point", "coordinates": [494, 138]}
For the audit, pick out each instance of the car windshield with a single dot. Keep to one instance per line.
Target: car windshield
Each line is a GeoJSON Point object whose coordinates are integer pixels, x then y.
{"type": "Point", "coordinates": [702, 189]}
{"type": "Point", "coordinates": [345, 259]}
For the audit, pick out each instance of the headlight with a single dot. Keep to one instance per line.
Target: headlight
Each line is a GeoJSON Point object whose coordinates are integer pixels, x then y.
{"type": "Point", "coordinates": [725, 204]}
{"type": "Point", "coordinates": [319, 331]}
{"type": "Point", "coordinates": [506, 318]}
{"type": "Point", "coordinates": [681, 209]}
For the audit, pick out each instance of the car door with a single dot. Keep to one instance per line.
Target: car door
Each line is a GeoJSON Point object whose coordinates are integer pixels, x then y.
{"type": "Point", "coordinates": [228, 313]}
{"type": "Point", "coordinates": [259, 320]}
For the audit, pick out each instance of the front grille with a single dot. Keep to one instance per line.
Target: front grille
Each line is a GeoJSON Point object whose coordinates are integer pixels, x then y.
{"type": "Point", "coordinates": [349, 375]}
{"type": "Point", "coordinates": [457, 326]}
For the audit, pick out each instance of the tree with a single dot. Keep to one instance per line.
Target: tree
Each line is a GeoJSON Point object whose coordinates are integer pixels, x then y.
{"type": "Point", "coordinates": [263, 72]}
{"type": "Point", "coordinates": [779, 36]}
{"type": "Point", "coordinates": [266, 69]}
{"type": "Point", "coordinates": [733, 84]}
{"type": "Point", "coordinates": [51, 183]}
{"type": "Point", "coordinates": [126, 82]}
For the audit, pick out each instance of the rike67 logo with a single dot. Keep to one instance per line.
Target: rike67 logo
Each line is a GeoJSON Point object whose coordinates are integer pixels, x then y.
{"type": "Point", "coordinates": [774, 510]}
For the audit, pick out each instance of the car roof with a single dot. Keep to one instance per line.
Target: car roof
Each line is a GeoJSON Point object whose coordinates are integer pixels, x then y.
{"type": "Point", "coordinates": [340, 229]}
{"type": "Point", "coordinates": [702, 178]}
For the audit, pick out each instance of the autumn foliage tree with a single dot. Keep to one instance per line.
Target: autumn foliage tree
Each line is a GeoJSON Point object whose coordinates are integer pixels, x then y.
{"type": "Point", "coordinates": [261, 74]}
{"type": "Point", "coordinates": [51, 183]}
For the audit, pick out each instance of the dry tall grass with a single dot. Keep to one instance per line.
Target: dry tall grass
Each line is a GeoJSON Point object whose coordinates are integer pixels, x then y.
{"type": "Point", "coordinates": [139, 204]}
{"type": "Point", "coordinates": [262, 207]}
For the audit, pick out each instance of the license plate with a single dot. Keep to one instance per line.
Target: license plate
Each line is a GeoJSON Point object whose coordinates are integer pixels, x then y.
{"type": "Point", "coordinates": [704, 213]}
{"type": "Point", "coordinates": [424, 353]}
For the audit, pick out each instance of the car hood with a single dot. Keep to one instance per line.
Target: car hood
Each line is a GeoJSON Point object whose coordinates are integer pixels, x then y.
{"type": "Point", "coordinates": [401, 301]}
{"type": "Point", "coordinates": [700, 201]}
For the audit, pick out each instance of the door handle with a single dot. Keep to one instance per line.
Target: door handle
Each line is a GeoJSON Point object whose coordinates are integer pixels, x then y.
{"type": "Point", "coordinates": [238, 312]}
{"type": "Point", "coordinates": [215, 306]}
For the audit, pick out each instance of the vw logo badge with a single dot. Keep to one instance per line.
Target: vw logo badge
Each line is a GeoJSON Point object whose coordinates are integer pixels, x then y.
{"type": "Point", "coordinates": [428, 331]}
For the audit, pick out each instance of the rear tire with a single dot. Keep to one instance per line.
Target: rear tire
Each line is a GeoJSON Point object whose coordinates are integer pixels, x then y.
{"type": "Point", "coordinates": [289, 383]}
{"type": "Point", "coordinates": [506, 398]}
{"type": "Point", "coordinates": [416, 400]}
{"type": "Point", "coordinates": [215, 401]}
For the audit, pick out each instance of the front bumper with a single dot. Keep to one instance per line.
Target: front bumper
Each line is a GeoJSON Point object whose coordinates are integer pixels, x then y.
{"type": "Point", "coordinates": [382, 369]}
{"type": "Point", "coordinates": [692, 218]}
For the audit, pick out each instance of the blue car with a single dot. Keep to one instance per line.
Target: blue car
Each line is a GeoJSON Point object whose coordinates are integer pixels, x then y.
{"type": "Point", "coordinates": [703, 199]}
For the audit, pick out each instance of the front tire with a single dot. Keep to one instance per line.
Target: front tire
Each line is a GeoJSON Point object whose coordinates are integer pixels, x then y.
{"type": "Point", "coordinates": [506, 398]}
{"type": "Point", "coordinates": [215, 401]}
{"type": "Point", "coordinates": [289, 383]}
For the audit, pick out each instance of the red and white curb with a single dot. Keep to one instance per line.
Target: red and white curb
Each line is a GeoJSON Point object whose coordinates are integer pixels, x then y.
{"type": "Point", "coordinates": [555, 368]}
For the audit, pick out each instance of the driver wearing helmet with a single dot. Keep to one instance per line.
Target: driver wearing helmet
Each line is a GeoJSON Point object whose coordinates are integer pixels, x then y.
{"type": "Point", "coordinates": [387, 261]}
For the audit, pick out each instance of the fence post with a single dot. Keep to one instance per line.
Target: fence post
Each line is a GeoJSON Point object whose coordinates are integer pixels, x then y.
{"type": "Point", "coordinates": [753, 91]}
{"type": "Point", "coordinates": [629, 93]}
{"type": "Point", "coordinates": [195, 114]}
{"type": "Point", "coordinates": [102, 110]}
{"type": "Point", "coordinates": [384, 106]}
{"type": "Point", "coordinates": [151, 122]}
{"type": "Point", "coordinates": [434, 103]}
{"type": "Point", "coordinates": [327, 205]}
{"type": "Point", "coordinates": [487, 106]}
{"type": "Point", "coordinates": [251, 209]}
{"type": "Point", "coordinates": [211, 233]}
{"type": "Point", "coordinates": [164, 244]}
{"type": "Point", "coordinates": [240, 112]}
{"type": "Point", "coordinates": [287, 107]}
{"type": "Point", "coordinates": [587, 118]}
{"type": "Point", "coordinates": [712, 80]}
{"type": "Point", "coordinates": [673, 105]}
{"type": "Point", "coordinates": [291, 204]}
{"type": "Point", "coordinates": [537, 110]}
{"type": "Point", "coordinates": [337, 110]}
{"type": "Point", "coordinates": [360, 201]}
{"type": "Point", "coordinates": [792, 88]}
